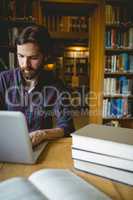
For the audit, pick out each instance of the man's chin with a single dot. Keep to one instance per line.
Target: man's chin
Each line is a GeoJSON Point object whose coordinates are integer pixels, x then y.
{"type": "Point", "coordinates": [29, 75]}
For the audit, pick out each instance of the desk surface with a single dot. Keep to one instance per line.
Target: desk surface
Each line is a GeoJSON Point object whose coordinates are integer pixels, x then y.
{"type": "Point", "coordinates": [58, 155]}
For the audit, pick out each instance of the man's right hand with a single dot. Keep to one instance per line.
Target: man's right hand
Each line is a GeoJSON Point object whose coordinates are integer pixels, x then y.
{"type": "Point", "coordinates": [37, 137]}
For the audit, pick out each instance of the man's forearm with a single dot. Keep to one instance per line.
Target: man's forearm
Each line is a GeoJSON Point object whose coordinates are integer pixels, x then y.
{"type": "Point", "coordinates": [53, 133]}
{"type": "Point", "coordinates": [46, 134]}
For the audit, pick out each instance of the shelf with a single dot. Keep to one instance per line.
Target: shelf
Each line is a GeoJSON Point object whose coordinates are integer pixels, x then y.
{"type": "Point", "coordinates": [119, 119]}
{"type": "Point", "coordinates": [17, 21]}
{"type": "Point", "coordinates": [77, 58]}
{"type": "Point", "coordinates": [120, 25]}
{"type": "Point", "coordinates": [118, 96]}
{"type": "Point", "coordinates": [116, 74]}
{"type": "Point", "coordinates": [69, 35]}
{"type": "Point", "coordinates": [119, 50]}
{"type": "Point", "coordinates": [78, 74]}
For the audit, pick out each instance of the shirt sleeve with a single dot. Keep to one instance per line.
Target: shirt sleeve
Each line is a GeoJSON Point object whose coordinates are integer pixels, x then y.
{"type": "Point", "coordinates": [63, 111]}
{"type": "Point", "coordinates": [2, 93]}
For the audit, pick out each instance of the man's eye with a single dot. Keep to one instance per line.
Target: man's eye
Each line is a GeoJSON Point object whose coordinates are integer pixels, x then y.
{"type": "Point", "coordinates": [21, 56]}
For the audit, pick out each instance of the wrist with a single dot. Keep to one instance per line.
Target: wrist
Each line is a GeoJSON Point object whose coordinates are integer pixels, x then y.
{"type": "Point", "coordinates": [44, 134]}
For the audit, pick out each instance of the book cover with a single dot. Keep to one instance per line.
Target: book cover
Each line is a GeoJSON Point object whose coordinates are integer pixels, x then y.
{"type": "Point", "coordinates": [102, 159]}
{"type": "Point", "coordinates": [105, 171]}
{"type": "Point", "coordinates": [108, 140]}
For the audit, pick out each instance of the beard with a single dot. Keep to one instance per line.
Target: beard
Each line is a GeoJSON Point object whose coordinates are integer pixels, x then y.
{"type": "Point", "coordinates": [29, 73]}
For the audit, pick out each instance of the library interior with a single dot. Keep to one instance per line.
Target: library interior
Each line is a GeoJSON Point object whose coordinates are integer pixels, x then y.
{"type": "Point", "coordinates": [91, 53]}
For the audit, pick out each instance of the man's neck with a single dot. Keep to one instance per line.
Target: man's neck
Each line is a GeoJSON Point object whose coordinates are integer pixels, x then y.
{"type": "Point", "coordinates": [30, 84]}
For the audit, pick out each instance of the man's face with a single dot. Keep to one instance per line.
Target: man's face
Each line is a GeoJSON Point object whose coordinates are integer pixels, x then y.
{"type": "Point", "coordinates": [30, 59]}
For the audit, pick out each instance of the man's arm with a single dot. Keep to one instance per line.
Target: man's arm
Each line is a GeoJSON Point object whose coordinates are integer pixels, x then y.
{"type": "Point", "coordinates": [64, 121]}
{"type": "Point", "coordinates": [2, 93]}
{"type": "Point", "coordinates": [45, 134]}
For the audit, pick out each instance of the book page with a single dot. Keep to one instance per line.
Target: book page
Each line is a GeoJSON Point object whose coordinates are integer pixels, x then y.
{"type": "Point", "coordinates": [59, 184]}
{"type": "Point", "coordinates": [18, 189]}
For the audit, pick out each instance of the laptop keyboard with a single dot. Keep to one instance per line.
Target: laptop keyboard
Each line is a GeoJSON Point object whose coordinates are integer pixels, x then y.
{"type": "Point", "coordinates": [37, 147]}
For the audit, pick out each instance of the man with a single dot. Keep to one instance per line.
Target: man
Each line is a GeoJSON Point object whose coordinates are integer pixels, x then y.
{"type": "Point", "coordinates": [35, 91]}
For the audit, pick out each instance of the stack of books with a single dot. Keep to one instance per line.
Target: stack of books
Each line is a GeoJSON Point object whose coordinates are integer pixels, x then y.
{"type": "Point", "coordinates": [104, 151]}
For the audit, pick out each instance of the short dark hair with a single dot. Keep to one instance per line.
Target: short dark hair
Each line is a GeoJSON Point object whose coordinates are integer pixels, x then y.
{"type": "Point", "coordinates": [36, 34]}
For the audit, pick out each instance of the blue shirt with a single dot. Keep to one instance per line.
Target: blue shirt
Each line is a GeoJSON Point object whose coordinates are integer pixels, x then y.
{"type": "Point", "coordinates": [46, 100]}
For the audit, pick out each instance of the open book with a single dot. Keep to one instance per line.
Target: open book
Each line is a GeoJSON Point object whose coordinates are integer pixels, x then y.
{"type": "Point", "coordinates": [52, 184]}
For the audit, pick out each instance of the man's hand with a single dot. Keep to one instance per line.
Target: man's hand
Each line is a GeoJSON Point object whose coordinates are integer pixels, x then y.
{"type": "Point", "coordinates": [37, 137]}
{"type": "Point", "coordinates": [46, 134]}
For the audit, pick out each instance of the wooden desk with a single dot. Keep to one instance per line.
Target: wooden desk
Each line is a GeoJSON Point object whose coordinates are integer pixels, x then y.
{"type": "Point", "coordinates": [58, 155]}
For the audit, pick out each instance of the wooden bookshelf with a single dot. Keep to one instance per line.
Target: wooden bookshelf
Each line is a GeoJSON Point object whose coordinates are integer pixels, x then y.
{"type": "Point", "coordinates": [118, 64]}
{"type": "Point", "coordinates": [68, 24]}
{"type": "Point", "coordinates": [69, 35]}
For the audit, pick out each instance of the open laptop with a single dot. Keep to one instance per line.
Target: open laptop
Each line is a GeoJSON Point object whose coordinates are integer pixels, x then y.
{"type": "Point", "coordinates": [15, 143]}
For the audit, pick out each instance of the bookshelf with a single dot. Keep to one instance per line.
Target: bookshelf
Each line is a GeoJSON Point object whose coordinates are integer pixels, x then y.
{"type": "Point", "coordinates": [118, 71]}
{"type": "Point", "coordinates": [63, 18]}
{"type": "Point", "coordinates": [14, 16]}
{"type": "Point", "coordinates": [68, 25]}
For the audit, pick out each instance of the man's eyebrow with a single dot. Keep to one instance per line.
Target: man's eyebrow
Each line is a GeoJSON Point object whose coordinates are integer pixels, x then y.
{"type": "Point", "coordinates": [28, 56]}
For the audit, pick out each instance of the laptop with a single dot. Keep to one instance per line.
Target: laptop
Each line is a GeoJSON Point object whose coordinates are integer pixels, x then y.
{"type": "Point", "coordinates": [15, 143]}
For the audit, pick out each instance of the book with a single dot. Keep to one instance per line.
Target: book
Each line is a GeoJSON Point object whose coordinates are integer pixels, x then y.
{"type": "Point", "coordinates": [54, 184]}
{"type": "Point", "coordinates": [103, 139]}
{"type": "Point", "coordinates": [102, 159]}
{"type": "Point", "coordinates": [105, 171]}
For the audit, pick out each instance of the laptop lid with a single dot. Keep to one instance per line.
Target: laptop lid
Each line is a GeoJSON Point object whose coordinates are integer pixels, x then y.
{"type": "Point", "coordinates": [15, 143]}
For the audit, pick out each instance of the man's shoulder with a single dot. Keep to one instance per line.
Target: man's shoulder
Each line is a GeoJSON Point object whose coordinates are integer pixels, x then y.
{"type": "Point", "coordinates": [8, 75]}
{"type": "Point", "coordinates": [9, 72]}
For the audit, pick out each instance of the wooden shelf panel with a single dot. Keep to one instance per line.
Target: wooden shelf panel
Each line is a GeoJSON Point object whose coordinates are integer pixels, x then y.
{"type": "Point", "coordinates": [118, 96]}
{"type": "Point", "coordinates": [117, 74]}
{"type": "Point", "coordinates": [69, 35]}
{"type": "Point", "coordinates": [119, 119]}
{"type": "Point", "coordinates": [119, 26]}
{"type": "Point", "coordinates": [119, 50]}
{"type": "Point", "coordinates": [91, 2]}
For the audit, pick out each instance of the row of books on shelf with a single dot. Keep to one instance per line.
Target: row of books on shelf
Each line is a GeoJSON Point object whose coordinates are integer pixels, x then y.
{"type": "Point", "coordinates": [122, 62]}
{"type": "Point", "coordinates": [76, 68]}
{"type": "Point", "coordinates": [104, 151]}
{"type": "Point", "coordinates": [79, 71]}
{"type": "Point", "coordinates": [12, 9]}
{"type": "Point", "coordinates": [78, 54]}
{"type": "Point", "coordinates": [118, 86]}
{"type": "Point", "coordinates": [67, 23]}
{"type": "Point", "coordinates": [117, 108]}
{"type": "Point", "coordinates": [76, 81]}
{"type": "Point", "coordinates": [116, 38]}
{"type": "Point", "coordinates": [117, 15]}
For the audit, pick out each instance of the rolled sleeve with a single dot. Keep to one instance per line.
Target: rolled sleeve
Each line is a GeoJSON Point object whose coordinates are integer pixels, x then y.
{"type": "Point", "coordinates": [63, 113]}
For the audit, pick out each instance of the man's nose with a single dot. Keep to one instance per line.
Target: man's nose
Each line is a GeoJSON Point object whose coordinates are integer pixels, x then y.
{"type": "Point", "coordinates": [26, 62]}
